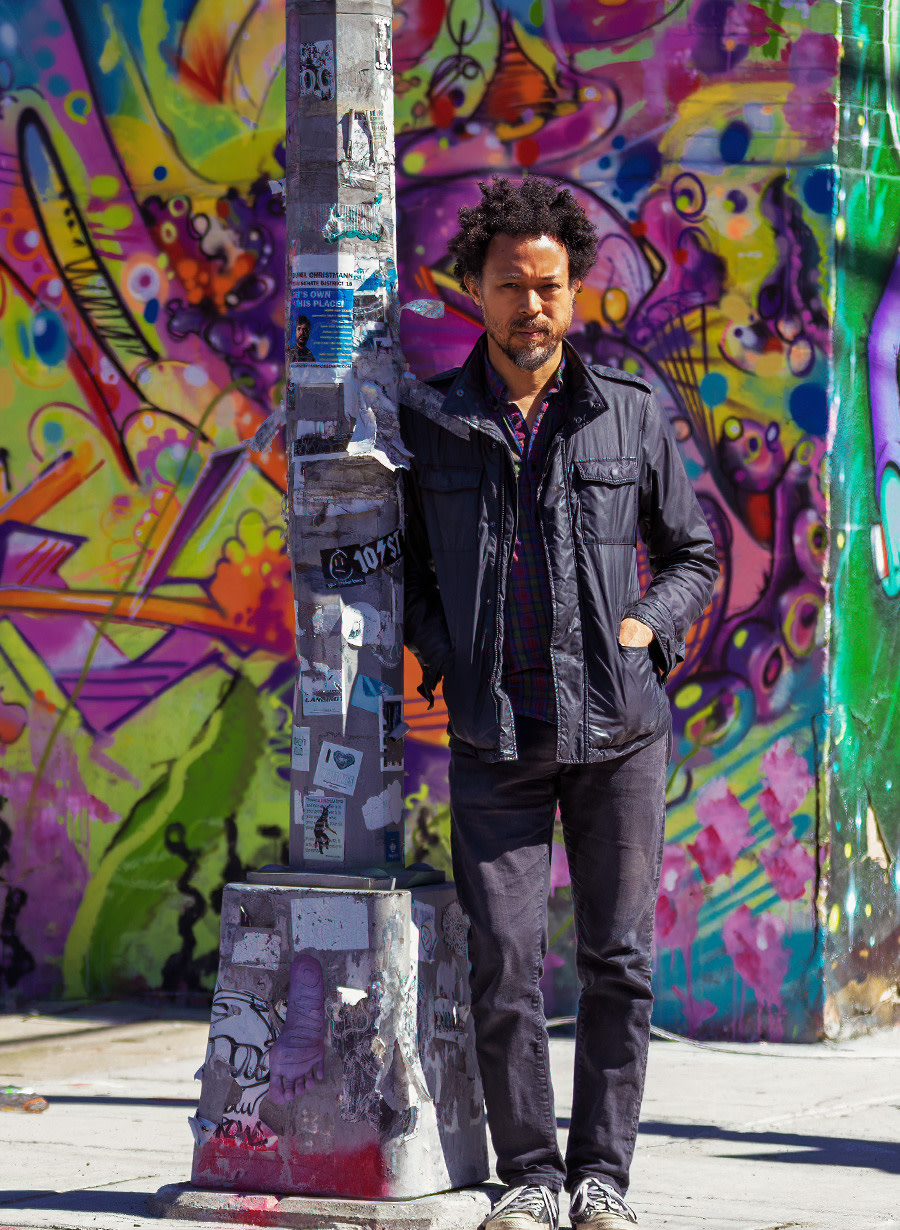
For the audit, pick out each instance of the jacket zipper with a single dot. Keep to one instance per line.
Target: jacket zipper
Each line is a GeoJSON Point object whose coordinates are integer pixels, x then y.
{"type": "Point", "coordinates": [498, 642]}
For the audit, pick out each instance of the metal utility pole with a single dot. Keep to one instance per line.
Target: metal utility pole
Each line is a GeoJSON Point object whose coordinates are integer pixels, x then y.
{"type": "Point", "coordinates": [341, 1052]}
{"type": "Point", "coordinates": [346, 540]}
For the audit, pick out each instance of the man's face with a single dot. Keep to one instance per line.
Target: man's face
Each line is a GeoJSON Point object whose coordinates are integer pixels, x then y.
{"type": "Point", "coordinates": [525, 297]}
{"type": "Point", "coordinates": [302, 332]}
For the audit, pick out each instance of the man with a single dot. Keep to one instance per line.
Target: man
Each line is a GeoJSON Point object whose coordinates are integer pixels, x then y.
{"type": "Point", "coordinates": [300, 352]}
{"type": "Point", "coordinates": [522, 594]}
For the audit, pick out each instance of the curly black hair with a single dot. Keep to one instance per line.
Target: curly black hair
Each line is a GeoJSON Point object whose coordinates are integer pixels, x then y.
{"type": "Point", "coordinates": [534, 206]}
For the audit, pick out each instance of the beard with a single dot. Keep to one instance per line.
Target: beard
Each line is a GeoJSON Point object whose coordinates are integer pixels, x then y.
{"type": "Point", "coordinates": [527, 355]}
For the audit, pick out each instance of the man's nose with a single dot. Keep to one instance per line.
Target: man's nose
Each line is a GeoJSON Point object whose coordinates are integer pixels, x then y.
{"type": "Point", "coordinates": [531, 303]}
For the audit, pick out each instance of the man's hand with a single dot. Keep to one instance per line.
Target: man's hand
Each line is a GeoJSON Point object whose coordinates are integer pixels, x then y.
{"type": "Point", "coordinates": [634, 634]}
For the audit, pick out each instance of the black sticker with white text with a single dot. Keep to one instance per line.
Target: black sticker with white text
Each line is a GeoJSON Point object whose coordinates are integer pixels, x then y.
{"type": "Point", "coordinates": [352, 565]}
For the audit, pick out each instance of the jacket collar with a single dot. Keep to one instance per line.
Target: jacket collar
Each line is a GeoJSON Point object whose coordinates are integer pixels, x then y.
{"type": "Point", "coordinates": [469, 399]}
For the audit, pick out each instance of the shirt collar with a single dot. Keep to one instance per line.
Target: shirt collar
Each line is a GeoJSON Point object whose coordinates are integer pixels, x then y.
{"type": "Point", "coordinates": [497, 385]}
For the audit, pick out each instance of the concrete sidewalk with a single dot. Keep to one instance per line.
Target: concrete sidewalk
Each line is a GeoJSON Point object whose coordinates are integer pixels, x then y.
{"type": "Point", "coordinates": [733, 1137]}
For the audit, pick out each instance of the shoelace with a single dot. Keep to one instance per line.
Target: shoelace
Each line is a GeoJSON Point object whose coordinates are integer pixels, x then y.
{"type": "Point", "coordinates": [591, 1196]}
{"type": "Point", "coordinates": [533, 1200]}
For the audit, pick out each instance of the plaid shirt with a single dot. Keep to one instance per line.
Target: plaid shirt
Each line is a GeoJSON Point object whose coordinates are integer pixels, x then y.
{"type": "Point", "coordinates": [528, 621]}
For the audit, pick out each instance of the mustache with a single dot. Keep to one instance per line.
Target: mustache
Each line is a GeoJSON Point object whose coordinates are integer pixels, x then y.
{"type": "Point", "coordinates": [534, 326]}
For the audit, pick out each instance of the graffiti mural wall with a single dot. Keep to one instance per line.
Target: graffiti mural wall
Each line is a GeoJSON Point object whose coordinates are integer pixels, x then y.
{"type": "Point", "coordinates": [863, 915]}
{"type": "Point", "coordinates": [145, 617]}
{"type": "Point", "coordinates": [145, 627]}
{"type": "Point", "coordinates": [698, 136]}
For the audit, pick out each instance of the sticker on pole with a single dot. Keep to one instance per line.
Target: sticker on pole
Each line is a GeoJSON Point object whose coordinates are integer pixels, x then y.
{"type": "Point", "coordinates": [315, 64]}
{"type": "Point", "coordinates": [354, 564]}
{"type": "Point", "coordinates": [300, 749]}
{"type": "Point", "coordinates": [323, 828]}
{"type": "Point", "coordinates": [338, 767]}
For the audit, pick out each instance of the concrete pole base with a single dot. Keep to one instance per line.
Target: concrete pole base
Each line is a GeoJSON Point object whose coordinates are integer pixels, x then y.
{"type": "Point", "coordinates": [460, 1210]}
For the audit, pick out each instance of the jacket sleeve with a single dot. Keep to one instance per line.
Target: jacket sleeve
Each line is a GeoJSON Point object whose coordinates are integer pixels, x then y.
{"type": "Point", "coordinates": [424, 624]}
{"type": "Point", "coordinates": [679, 545]}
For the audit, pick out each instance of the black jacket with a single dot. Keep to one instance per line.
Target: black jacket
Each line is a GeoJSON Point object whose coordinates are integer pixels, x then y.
{"type": "Point", "coordinates": [612, 470]}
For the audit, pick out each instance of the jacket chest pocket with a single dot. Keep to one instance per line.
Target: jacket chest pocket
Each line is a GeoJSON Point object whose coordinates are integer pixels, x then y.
{"type": "Point", "coordinates": [605, 491]}
{"type": "Point", "coordinates": [451, 497]}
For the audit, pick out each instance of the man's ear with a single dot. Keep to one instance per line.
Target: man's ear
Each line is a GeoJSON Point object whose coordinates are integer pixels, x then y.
{"type": "Point", "coordinates": [473, 287]}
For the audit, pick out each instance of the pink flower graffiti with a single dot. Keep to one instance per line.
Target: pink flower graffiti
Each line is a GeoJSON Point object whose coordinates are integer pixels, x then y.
{"type": "Point", "coordinates": [677, 912]}
{"type": "Point", "coordinates": [788, 783]}
{"type": "Point", "coordinates": [789, 866]}
{"type": "Point", "coordinates": [755, 944]}
{"type": "Point", "coordinates": [725, 829]}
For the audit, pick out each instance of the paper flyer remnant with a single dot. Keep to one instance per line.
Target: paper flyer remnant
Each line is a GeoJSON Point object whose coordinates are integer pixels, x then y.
{"type": "Point", "coordinates": [450, 1021]}
{"type": "Point", "coordinates": [384, 808]}
{"type": "Point", "coordinates": [256, 947]}
{"type": "Point", "coordinates": [300, 749]}
{"type": "Point", "coordinates": [337, 767]}
{"type": "Point", "coordinates": [323, 828]}
{"type": "Point", "coordinates": [337, 923]}
{"type": "Point", "coordinates": [323, 694]}
{"type": "Point", "coordinates": [366, 692]}
{"type": "Point", "coordinates": [391, 714]}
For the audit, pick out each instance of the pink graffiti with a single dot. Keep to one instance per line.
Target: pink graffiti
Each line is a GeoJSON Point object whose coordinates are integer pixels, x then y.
{"type": "Point", "coordinates": [680, 899]}
{"type": "Point", "coordinates": [297, 1057]}
{"type": "Point", "coordinates": [789, 865]}
{"type": "Point", "coordinates": [677, 912]}
{"type": "Point", "coordinates": [755, 944]}
{"type": "Point", "coordinates": [559, 868]}
{"type": "Point", "coordinates": [46, 872]}
{"type": "Point", "coordinates": [788, 783]}
{"type": "Point", "coordinates": [811, 107]}
{"type": "Point", "coordinates": [725, 832]}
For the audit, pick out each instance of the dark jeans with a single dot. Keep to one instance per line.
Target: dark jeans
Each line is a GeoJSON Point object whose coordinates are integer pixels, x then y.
{"type": "Point", "coordinates": [613, 818]}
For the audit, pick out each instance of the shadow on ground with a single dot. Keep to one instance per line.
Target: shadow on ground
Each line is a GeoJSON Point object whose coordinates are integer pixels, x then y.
{"type": "Point", "coordinates": [804, 1150]}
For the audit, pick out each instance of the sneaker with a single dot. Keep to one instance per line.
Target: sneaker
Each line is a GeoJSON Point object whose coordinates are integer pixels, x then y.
{"type": "Point", "coordinates": [525, 1208]}
{"type": "Point", "coordinates": [596, 1204]}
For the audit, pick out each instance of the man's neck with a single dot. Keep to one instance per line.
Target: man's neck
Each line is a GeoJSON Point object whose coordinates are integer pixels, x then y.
{"type": "Point", "coordinates": [522, 385]}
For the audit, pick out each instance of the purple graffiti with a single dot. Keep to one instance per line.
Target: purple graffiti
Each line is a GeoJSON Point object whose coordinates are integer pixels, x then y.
{"type": "Point", "coordinates": [297, 1057]}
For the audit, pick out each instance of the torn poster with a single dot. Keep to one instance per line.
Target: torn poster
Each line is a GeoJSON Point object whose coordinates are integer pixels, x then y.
{"type": "Point", "coordinates": [300, 749]}
{"type": "Point", "coordinates": [450, 1021]}
{"type": "Point", "coordinates": [384, 808]}
{"type": "Point", "coordinates": [383, 47]}
{"type": "Point", "coordinates": [321, 332]}
{"type": "Point", "coordinates": [337, 767]}
{"type": "Point", "coordinates": [328, 295]}
{"type": "Point", "coordinates": [323, 828]}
